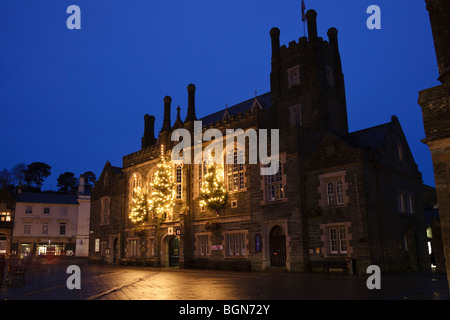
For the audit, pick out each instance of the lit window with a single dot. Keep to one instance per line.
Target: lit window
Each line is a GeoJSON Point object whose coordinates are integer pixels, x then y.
{"type": "Point", "coordinates": [44, 227]}
{"type": "Point", "coordinates": [235, 172]}
{"type": "Point", "coordinates": [135, 183]}
{"type": "Point", "coordinates": [5, 216]}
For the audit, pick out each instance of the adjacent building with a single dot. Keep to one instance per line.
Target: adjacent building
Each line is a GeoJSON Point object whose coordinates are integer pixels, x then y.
{"type": "Point", "coordinates": [7, 207]}
{"type": "Point", "coordinates": [339, 201]}
{"type": "Point", "coordinates": [435, 104]}
{"type": "Point", "coordinates": [51, 224]}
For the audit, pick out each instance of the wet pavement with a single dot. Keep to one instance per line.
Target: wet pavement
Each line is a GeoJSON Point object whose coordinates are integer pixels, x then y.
{"type": "Point", "coordinates": [48, 281]}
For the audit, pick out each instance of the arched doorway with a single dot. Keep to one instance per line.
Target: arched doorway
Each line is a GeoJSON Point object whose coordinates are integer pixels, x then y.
{"type": "Point", "coordinates": [174, 252]}
{"type": "Point", "coordinates": [277, 241]}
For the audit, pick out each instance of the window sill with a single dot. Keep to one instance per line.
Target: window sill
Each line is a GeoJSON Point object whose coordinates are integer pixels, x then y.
{"type": "Point", "coordinates": [264, 202]}
{"type": "Point", "coordinates": [236, 191]}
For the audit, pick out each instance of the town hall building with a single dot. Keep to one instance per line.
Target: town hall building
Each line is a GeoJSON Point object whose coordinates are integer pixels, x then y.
{"type": "Point", "coordinates": [340, 200]}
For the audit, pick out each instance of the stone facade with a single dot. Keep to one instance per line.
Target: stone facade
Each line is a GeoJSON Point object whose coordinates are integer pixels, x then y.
{"type": "Point", "coordinates": [435, 103]}
{"type": "Point", "coordinates": [340, 201]}
{"type": "Point", "coordinates": [106, 221]}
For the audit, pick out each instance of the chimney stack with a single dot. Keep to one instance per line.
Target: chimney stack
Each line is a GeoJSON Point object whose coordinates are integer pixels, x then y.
{"type": "Point", "coordinates": [149, 132]}
{"type": "Point", "coordinates": [81, 185]}
{"type": "Point", "coordinates": [311, 16]}
{"type": "Point", "coordinates": [166, 122]}
{"type": "Point", "coordinates": [191, 104]}
{"type": "Point", "coordinates": [275, 36]}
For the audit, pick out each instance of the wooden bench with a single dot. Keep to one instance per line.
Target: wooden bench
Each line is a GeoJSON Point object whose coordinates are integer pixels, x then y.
{"type": "Point", "coordinates": [326, 265]}
{"type": "Point", "coordinates": [15, 275]}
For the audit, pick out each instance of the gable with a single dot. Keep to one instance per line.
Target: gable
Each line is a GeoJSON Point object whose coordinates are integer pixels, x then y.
{"type": "Point", "coordinates": [332, 152]}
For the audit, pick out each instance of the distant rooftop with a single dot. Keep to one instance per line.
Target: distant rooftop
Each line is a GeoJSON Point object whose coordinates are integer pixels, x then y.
{"type": "Point", "coordinates": [53, 198]}
{"type": "Point", "coordinates": [370, 137]}
{"type": "Point", "coordinates": [264, 100]}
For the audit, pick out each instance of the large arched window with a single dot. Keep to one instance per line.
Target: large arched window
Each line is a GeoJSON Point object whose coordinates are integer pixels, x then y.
{"type": "Point", "coordinates": [235, 169]}
{"type": "Point", "coordinates": [135, 182]}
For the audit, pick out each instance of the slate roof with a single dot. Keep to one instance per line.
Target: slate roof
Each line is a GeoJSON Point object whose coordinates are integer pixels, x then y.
{"type": "Point", "coordinates": [56, 198]}
{"type": "Point", "coordinates": [265, 101]}
{"type": "Point", "coordinates": [370, 137]}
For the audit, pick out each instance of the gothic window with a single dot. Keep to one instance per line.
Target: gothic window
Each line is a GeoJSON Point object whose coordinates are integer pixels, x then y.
{"type": "Point", "coordinates": [295, 115]}
{"type": "Point", "coordinates": [405, 203]}
{"type": "Point", "coordinates": [333, 190]}
{"type": "Point", "coordinates": [178, 179]}
{"type": "Point", "coordinates": [136, 182]}
{"type": "Point", "coordinates": [293, 76]}
{"type": "Point", "coordinates": [330, 193]}
{"type": "Point", "coordinates": [105, 179]}
{"type": "Point", "coordinates": [104, 214]}
{"type": "Point", "coordinates": [339, 192]}
{"type": "Point", "coordinates": [274, 185]}
{"type": "Point", "coordinates": [235, 170]}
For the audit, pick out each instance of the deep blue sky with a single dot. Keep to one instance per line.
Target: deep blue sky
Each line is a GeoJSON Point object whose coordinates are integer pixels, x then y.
{"type": "Point", "coordinates": [76, 98]}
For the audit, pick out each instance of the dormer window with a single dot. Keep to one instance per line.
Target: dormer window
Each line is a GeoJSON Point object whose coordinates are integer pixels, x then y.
{"type": "Point", "coordinates": [293, 76]}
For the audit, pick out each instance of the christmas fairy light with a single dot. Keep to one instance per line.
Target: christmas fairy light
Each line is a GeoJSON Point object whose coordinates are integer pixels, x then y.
{"type": "Point", "coordinates": [162, 196]}
{"type": "Point", "coordinates": [212, 193]}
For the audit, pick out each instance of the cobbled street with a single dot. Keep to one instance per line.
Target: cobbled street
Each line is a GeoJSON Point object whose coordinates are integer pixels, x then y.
{"type": "Point", "coordinates": [107, 282]}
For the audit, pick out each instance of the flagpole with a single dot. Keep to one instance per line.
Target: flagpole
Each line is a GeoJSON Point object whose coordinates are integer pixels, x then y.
{"type": "Point", "coordinates": [303, 17]}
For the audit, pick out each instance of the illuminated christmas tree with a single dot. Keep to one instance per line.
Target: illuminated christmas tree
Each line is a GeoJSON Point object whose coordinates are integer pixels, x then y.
{"type": "Point", "coordinates": [162, 195]}
{"type": "Point", "coordinates": [138, 212]}
{"type": "Point", "coordinates": [212, 193]}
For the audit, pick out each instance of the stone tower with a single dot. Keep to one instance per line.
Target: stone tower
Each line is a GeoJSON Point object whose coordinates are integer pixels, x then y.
{"type": "Point", "coordinates": [307, 75]}
{"type": "Point", "coordinates": [435, 103]}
